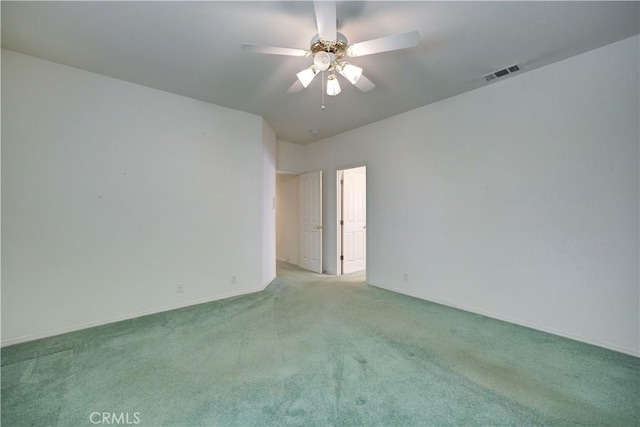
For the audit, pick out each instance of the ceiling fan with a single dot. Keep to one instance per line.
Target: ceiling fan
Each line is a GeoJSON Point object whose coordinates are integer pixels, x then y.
{"type": "Point", "coordinates": [329, 50]}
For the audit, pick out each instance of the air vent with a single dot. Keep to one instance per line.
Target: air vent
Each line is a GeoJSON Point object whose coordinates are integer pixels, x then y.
{"type": "Point", "coordinates": [502, 73]}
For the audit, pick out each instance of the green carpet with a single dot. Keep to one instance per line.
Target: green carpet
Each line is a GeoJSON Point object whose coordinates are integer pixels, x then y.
{"type": "Point", "coordinates": [317, 350]}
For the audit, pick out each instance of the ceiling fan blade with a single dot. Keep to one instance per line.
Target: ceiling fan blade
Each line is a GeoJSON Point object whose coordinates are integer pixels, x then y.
{"type": "Point", "coordinates": [295, 87]}
{"type": "Point", "coordinates": [364, 84]}
{"type": "Point", "coordinates": [272, 50]}
{"type": "Point", "coordinates": [384, 44]}
{"type": "Point", "coordinates": [326, 19]}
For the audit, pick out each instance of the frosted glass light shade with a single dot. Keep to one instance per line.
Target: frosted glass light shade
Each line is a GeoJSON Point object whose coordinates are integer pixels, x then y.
{"type": "Point", "coordinates": [333, 87]}
{"type": "Point", "coordinates": [323, 60]}
{"type": "Point", "coordinates": [306, 76]}
{"type": "Point", "coordinates": [351, 73]}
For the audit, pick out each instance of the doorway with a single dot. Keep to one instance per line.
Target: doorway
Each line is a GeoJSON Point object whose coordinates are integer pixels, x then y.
{"type": "Point", "coordinates": [352, 220]}
{"type": "Point", "coordinates": [299, 220]}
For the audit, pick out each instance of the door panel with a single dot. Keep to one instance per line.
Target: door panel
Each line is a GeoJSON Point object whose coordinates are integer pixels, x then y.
{"type": "Point", "coordinates": [310, 217]}
{"type": "Point", "coordinates": [355, 220]}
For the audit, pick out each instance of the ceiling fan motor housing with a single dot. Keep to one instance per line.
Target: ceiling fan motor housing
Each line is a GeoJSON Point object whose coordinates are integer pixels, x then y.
{"type": "Point", "coordinates": [336, 47]}
{"type": "Point", "coordinates": [326, 53]}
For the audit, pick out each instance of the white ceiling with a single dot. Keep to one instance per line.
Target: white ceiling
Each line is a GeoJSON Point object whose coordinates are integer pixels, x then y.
{"type": "Point", "coordinates": [193, 49]}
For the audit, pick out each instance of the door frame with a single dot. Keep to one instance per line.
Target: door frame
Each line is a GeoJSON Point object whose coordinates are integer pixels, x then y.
{"type": "Point", "coordinates": [339, 212]}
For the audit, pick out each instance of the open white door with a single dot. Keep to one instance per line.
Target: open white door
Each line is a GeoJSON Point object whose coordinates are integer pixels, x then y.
{"type": "Point", "coordinates": [354, 217]}
{"type": "Point", "coordinates": [310, 218]}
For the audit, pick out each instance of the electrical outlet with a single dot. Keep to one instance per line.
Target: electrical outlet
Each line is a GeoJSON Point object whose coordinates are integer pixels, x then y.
{"type": "Point", "coordinates": [180, 288]}
{"type": "Point", "coordinates": [405, 277]}
{"type": "Point", "coordinates": [233, 279]}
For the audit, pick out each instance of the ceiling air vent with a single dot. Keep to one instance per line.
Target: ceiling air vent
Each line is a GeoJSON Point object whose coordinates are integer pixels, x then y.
{"type": "Point", "coordinates": [501, 73]}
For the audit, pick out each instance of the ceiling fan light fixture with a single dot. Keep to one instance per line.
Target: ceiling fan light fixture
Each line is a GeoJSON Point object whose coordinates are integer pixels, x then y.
{"type": "Point", "coordinates": [350, 72]}
{"type": "Point", "coordinates": [323, 60]}
{"type": "Point", "coordinates": [306, 76]}
{"type": "Point", "coordinates": [329, 49]}
{"type": "Point", "coordinates": [333, 87]}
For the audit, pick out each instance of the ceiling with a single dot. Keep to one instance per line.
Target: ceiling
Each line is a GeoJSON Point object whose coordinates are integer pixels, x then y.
{"type": "Point", "coordinates": [193, 49]}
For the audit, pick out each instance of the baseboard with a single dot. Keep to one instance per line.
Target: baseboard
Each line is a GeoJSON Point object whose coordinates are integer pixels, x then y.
{"type": "Point", "coordinates": [26, 338]}
{"type": "Point", "coordinates": [275, 276]}
{"type": "Point", "coordinates": [564, 334]}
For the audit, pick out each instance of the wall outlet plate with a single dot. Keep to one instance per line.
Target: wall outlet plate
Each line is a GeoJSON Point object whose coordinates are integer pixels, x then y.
{"type": "Point", "coordinates": [180, 288]}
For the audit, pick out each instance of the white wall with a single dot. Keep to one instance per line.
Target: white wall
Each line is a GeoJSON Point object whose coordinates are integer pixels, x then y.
{"type": "Point", "coordinates": [287, 218]}
{"type": "Point", "coordinates": [113, 193]}
{"type": "Point", "coordinates": [290, 158]}
{"type": "Point", "coordinates": [519, 200]}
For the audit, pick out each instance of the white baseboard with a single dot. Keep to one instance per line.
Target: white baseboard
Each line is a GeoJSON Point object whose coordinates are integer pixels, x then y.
{"type": "Point", "coordinates": [275, 276]}
{"type": "Point", "coordinates": [47, 334]}
{"type": "Point", "coordinates": [565, 334]}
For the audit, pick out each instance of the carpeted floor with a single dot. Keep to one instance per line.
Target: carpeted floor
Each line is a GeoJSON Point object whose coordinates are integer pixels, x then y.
{"type": "Point", "coordinates": [317, 350]}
